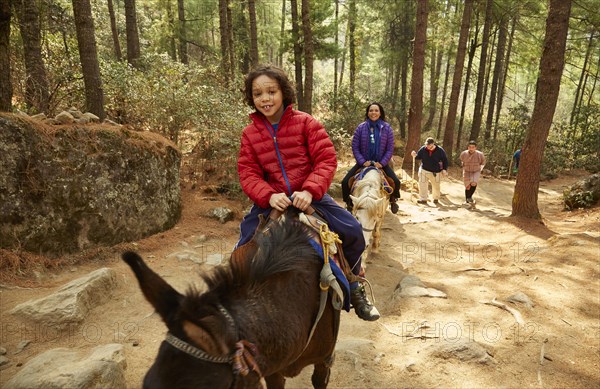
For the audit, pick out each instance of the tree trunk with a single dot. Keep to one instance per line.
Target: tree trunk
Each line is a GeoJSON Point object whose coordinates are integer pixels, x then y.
{"type": "Point", "coordinates": [434, 75]}
{"type": "Point", "coordinates": [488, 71]}
{"type": "Point", "coordinates": [86, 41]}
{"type": "Point", "coordinates": [404, 87]}
{"type": "Point", "coordinates": [36, 82]}
{"type": "Point", "coordinates": [224, 39]}
{"type": "Point", "coordinates": [308, 56]}
{"type": "Point", "coordinates": [336, 55]}
{"type": "Point", "coordinates": [498, 65]}
{"type": "Point", "coordinates": [297, 55]}
{"type": "Point", "coordinates": [171, 20]}
{"type": "Point", "coordinates": [579, 89]}
{"type": "Point", "coordinates": [457, 79]}
{"type": "Point", "coordinates": [388, 81]}
{"type": "Point", "coordinates": [282, 35]}
{"type": "Point", "coordinates": [590, 96]}
{"type": "Point", "coordinates": [415, 113]}
{"type": "Point", "coordinates": [472, 50]}
{"type": "Point", "coordinates": [395, 87]}
{"type": "Point", "coordinates": [352, 44]}
{"type": "Point", "coordinates": [6, 90]}
{"type": "Point", "coordinates": [113, 29]}
{"type": "Point", "coordinates": [404, 49]}
{"type": "Point", "coordinates": [478, 111]}
{"type": "Point", "coordinates": [231, 46]}
{"type": "Point", "coordinates": [241, 32]}
{"type": "Point", "coordinates": [253, 33]}
{"type": "Point", "coordinates": [444, 93]}
{"type": "Point", "coordinates": [524, 202]}
{"type": "Point", "coordinates": [183, 51]}
{"type": "Point", "coordinates": [133, 40]}
{"type": "Point", "coordinates": [505, 73]}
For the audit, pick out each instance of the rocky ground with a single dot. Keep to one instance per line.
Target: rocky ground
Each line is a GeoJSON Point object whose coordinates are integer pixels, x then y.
{"type": "Point", "coordinates": [469, 298]}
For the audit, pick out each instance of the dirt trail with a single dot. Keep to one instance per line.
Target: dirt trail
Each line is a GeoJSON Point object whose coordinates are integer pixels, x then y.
{"type": "Point", "coordinates": [473, 256]}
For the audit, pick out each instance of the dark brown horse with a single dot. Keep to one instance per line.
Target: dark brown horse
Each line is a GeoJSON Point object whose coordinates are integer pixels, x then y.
{"type": "Point", "coordinates": [253, 321]}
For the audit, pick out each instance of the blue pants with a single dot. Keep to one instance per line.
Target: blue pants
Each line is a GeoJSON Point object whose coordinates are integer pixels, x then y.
{"type": "Point", "coordinates": [338, 219]}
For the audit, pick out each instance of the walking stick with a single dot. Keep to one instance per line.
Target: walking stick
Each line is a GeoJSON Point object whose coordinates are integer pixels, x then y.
{"type": "Point", "coordinates": [412, 184]}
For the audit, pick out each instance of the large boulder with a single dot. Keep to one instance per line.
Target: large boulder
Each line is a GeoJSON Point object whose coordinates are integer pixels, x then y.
{"type": "Point", "coordinates": [63, 368]}
{"type": "Point", "coordinates": [583, 194]}
{"type": "Point", "coordinates": [71, 303]}
{"type": "Point", "coordinates": [68, 188]}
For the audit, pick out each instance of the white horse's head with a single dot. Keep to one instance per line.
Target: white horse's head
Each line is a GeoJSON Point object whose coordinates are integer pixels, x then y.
{"type": "Point", "coordinates": [370, 203]}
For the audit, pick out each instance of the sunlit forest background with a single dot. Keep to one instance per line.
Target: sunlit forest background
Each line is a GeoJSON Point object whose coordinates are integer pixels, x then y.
{"type": "Point", "coordinates": [176, 67]}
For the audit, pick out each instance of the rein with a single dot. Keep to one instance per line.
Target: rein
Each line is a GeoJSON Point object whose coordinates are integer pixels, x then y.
{"type": "Point", "coordinates": [243, 359]}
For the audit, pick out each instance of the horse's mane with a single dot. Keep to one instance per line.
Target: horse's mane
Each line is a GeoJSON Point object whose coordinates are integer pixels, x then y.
{"type": "Point", "coordinates": [284, 248]}
{"type": "Point", "coordinates": [371, 180]}
{"type": "Point", "coordinates": [368, 190]}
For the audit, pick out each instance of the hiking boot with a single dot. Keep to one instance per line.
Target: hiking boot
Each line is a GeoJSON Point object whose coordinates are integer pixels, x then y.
{"type": "Point", "coordinates": [394, 207]}
{"type": "Point", "coordinates": [422, 201]}
{"type": "Point", "coordinates": [469, 200]}
{"type": "Point", "coordinates": [362, 306]}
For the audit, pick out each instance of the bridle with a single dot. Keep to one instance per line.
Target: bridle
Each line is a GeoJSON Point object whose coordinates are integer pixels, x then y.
{"type": "Point", "coordinates": [242, 360]}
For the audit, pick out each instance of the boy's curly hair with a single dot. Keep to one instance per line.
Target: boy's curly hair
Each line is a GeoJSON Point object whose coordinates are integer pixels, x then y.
{"type": "Point", "coordinates": [276, 73]}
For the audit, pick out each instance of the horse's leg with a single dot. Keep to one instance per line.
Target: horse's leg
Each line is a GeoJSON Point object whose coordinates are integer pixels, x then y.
{"type": "Point", "coordinates": [320, 377]}
{"type": "Point", "coordinates": [275, 381]}
{"type": "Point", "coordinates": [376, 237]}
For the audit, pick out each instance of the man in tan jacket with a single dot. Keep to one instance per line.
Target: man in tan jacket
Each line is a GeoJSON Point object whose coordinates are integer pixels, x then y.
{"type": "Point", "coordinates": [472, 162]}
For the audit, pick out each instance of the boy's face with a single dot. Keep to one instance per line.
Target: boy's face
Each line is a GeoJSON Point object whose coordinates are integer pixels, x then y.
{"type": "Point", "coordinates": [268, 98]}
{"type": "Point", "coordinates": [472, 148]}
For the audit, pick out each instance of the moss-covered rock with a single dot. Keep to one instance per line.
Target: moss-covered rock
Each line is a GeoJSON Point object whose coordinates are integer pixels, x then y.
{"type": "Point", "coordinates": [68, 188]}
{"type": "Point", "coordinates": [583, 194]}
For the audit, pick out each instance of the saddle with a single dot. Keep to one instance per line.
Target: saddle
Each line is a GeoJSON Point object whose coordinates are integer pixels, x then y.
{"type": "Point", "coordinates": [326, 244]}
{"type": "Point", "coordinates": [388, 185]}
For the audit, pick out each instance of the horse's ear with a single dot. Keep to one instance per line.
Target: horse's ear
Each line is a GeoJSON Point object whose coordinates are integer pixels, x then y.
{"type": "Point", "coordinates": [354, 199]}
{"type": "Point", "coordinates": [157, 291]}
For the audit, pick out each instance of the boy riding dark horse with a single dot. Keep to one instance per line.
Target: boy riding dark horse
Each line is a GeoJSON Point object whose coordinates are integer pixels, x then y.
{"type": "Point", "coordinates": [287, 159]}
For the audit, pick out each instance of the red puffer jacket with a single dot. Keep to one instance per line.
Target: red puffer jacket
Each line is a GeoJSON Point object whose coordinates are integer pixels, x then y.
{"type": "Point", "coordinates": [306, 151]}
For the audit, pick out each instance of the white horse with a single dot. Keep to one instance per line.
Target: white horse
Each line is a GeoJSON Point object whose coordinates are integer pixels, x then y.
{"type": "Point", "coordinates": [370, 202]}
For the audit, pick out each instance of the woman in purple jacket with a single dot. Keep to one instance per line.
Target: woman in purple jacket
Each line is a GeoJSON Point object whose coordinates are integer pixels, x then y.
{"type": "Point", "coordinates": [373, 145]}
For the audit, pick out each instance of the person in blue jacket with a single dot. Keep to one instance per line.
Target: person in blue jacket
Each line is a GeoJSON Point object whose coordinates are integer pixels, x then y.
{"type": "Point", "coordinates": [434, 163]}
{"type": "Point", "coordinates": [517, 158]}
{"type": "Point", "coordinates": [373, 145]}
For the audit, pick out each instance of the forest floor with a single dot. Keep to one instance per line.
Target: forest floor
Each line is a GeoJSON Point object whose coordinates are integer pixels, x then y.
{"type": "Point", "coordinates": [473, 256]}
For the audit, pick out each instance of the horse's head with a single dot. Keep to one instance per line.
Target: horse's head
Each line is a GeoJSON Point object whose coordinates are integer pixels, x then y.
{"type": "Point", "coordinates": [369, 205]}
{"type": "Point", "coordinates": [369, 211]}
{"type": "Point", "coordinates": [184, 358]}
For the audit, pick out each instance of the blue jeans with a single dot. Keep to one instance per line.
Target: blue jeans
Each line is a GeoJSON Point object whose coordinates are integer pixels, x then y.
{"type": "Point", "coordinates": [338, 219]}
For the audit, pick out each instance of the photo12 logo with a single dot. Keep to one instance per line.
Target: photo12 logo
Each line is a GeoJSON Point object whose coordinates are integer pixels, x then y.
{"type": "Point", "coordinates": [452, 332]}
{"type": "Point", "coordinates": [454, 252]}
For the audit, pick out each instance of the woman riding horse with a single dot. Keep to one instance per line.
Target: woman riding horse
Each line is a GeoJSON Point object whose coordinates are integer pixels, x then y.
{"type": "Point", "coordinates": [373, 145]}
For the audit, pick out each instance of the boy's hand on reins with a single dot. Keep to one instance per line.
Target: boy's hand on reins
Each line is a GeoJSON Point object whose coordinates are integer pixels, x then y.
{"type": "Point", "coordinates": [280, 201]}
{"type": "Point", "coordinates": [301, 200]}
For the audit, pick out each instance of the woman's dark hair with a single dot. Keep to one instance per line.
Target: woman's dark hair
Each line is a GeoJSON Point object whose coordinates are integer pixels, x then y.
{"type": "Point", "coordinates": [276, 73]}
{"type": "Point", "coordinates": [382, 117]}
